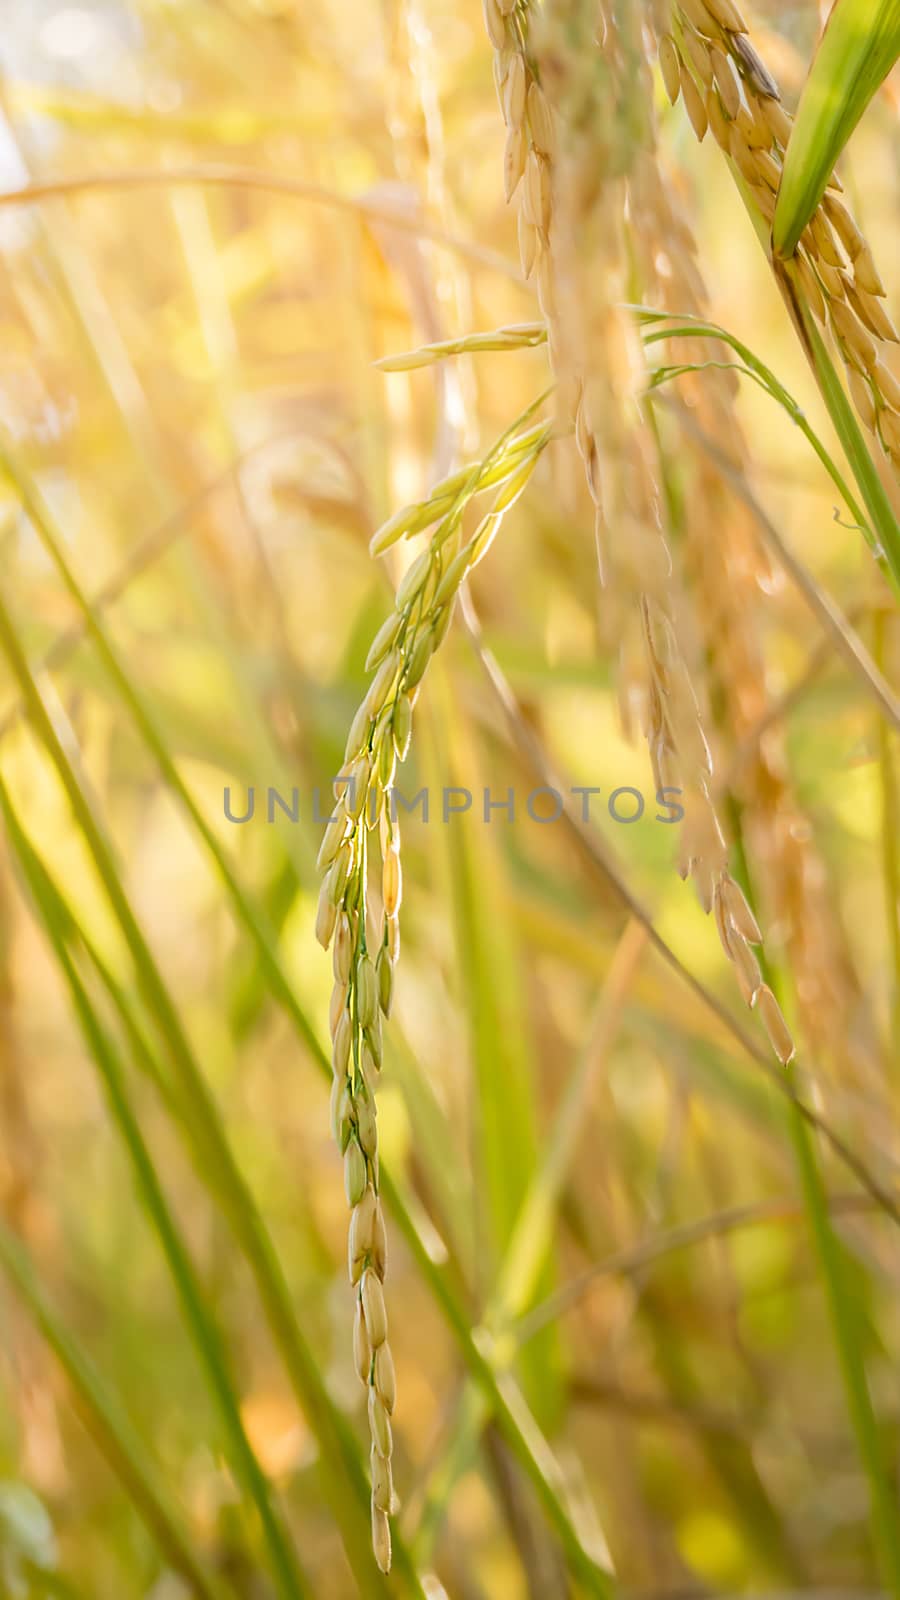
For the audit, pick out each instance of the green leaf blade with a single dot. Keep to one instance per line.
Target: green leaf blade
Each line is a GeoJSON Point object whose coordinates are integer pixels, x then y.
{"type": "Point", "coordinates": [858, 48]}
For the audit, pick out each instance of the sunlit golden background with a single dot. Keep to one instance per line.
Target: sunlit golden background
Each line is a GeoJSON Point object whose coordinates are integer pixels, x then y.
{"type": "Point", "coordinates": [266, 199]}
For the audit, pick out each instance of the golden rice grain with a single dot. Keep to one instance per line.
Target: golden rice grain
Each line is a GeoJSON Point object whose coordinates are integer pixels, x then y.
{"type": "Point", "coordinates": [528, 244]}
{"type": "Point", "coordinates": [746, 963]}
{"type": "Point", "coordinates": [831, 279]}
{"type": "Point", "coordinates": [670, 66]}
{"type": "Point", "coordinates": [366, 1121]}
{"type": "Point", "coordinates": [826, 243]}
{"type": "Point", "coordinates": [540, 120]}
{"type": "Point", "coordinates": [765, 200]}
{"type": "Point", "coordinates": [515, 92]}
{"type": "Point", "coordinates": [870, 311]}
{"type": "Point", "coordinates": [514, 160]}
{"type": "Point", "coordinates": [754, 128]}
{"type": "Point", "coordinates": [379, 1423]}
{"type": "Point", "coordinates": [385, 1379]}
{"type": "Point", "coordinates": [718, 121]}
{"type": "Point", "coordinates": [694, 105]}
{"type": "Point", "coordinates": [843, 225]}
{"type": "Point", "coordinates": [861, 395]}
{"type": "Point", "coordinates": [495, 23]}
{"type": "Point", "coordinates": [343, 950]}
{"type": "Point", "coordinates": [887, 384]}
{"type": "Point", "coordinates": [382, 1486]}
{"type": "Point", "coordinates": [774, 1024]}
{"type": "Point", "coordinates": [743, 158]}
{"type": "Point", "coordinates": [373, 1306]}
{"type": "Point", "coordinates": [333, 837]}
{"type": "Point", "coordinates": [778, 119]}
{"type": "Point", "coordinates": [391, 882]}
{"type": "Point", "coordinates": [536, 193]}
{"type": "Point", "coordinates": [739, 911]}
{"type": "Point", "coordinates": [865, 272]}
{"type": "Point", "coordinates": [851, 330]}
{"type": "Point", "coordinates": [701, 17]}
{"type": "Point", "coordinates": [379, 1242]}
{"type": "Point", "coordinates": [810, 285]}
{"type": "Point", "coordinates": [723, 72]}
{"type": "Point", "coordinates": [768, 169]}
{"type": "Point", "coordinates": [362, 1349]}
{"type": "Point", "coordinates": [343, 1039]}
{"type": "Point", "coordinates": [384, 972]}
{"type": "Point", "coordinates": [381, 1538]}
{"type": "Point", "coordinates": [727, 14]}
{"type": "Point", "coordinates": [358, 734]}
{"type": "Point", "coordinates": [697, 51]}
{"type": "Point", "coordinates": [337, 1007]}
{"type": "Point", "coordinates": [354, 1174]}
{"type": "Point", "coordinates": [889, 423]}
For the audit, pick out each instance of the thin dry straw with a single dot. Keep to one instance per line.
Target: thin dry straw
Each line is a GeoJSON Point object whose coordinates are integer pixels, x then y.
{"type": "Point", "coordinates": [843, 637]}
{"type": "Point", "coordinates": [599, 856]}
{"type": "Point", "coordinates": [251, 178]}
{"type": "Point", "coordinates": [637, 1257]}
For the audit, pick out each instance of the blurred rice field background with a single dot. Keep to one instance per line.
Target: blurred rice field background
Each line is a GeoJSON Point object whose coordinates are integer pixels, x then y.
{"type": "Point", "coordinates": [612, 1337]}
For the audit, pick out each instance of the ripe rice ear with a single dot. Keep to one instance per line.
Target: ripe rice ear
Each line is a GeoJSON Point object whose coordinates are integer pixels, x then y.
{"type": "Point", "coordinates": [670, 66]}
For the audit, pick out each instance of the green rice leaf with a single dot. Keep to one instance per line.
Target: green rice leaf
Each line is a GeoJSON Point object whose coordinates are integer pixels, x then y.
{"type": "Point", "coordinates": [857, 50]}
{"type": "Point", "coordinates": [110, 1427]}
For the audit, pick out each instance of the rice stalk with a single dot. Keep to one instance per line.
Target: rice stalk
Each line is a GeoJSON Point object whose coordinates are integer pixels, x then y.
{"type": "Point", "coordinates": [364, 965]}
{"type": "Point", "coordinates": [111, 1427]}
{"type": "Point", "coordinates": [212, 1144]}
{"type": "Point", "coordinates": [336, 1441]}
{"type": "Point", "coordinates": [730, 572]}
{"type": "Point", "coordinates": [291, 1580]}
{"type": "Point", "coordinates": [593, 347]}
{"type": "Point", "coordinates": [846, 1317]}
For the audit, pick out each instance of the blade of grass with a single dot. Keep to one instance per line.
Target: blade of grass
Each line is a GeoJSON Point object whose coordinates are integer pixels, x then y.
{"type": "Point", "coordinates": [857, 50]}
{"type": "Point", "coordinates": [340, 1452]}
{"type": "Point", "coordinates": [110, 1427]}
{"type": "Point", "coordinates": [890, 845]}
{"type": "Point", "coordinates": [501, 1054]}
{"type": "Point", "coordinates": [682, 327]}
{"type": "Point", "coordinates": [254, 179]}
{"type": "Point", "coordinates": [842, 1307]}
{"type": "Point", "coordinates": [519, 1427]}
{"type": "Point", "coordinates": [602, 860]}
{"type": "Point", "coordinates": [520, 1273]}
{"type": "Point", "coordinates": [842, 635]}
{"type": "Point", "coordinates": [850, 434]}
{"type": "Point", "coordinates": [526, 1251]}
{"type": "Point", "coordinates": [206, 1336]}
{"type": "Point", "coordinates": [683, 1236]}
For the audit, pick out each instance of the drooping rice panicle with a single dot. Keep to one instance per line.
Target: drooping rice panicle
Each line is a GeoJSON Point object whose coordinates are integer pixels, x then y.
{"type": "Point", "coordinates": [364, 966]}
{"type": "Point", "coordinates": [572, 85]}
{"type": "Point", "coordinates": [733, 581]}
